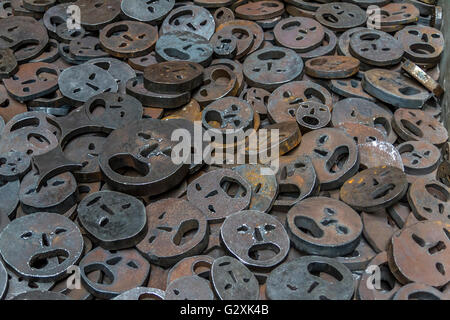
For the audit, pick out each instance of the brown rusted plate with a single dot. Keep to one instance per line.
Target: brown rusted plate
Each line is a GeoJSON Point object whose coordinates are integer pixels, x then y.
{"type": "Point", "coordinates": [430, 200]}
{"type": "Point", "coordinates": [419, 253]}
{"type": "Point", "coordinates": [394, 14]}
{"type": "Point", "coordinates": [362, 133]}
{"type": "Point", "coordinates": [218, 81]}
{"type": "Point", "coordinates": [419, 157]}
{"type": "Point", "coordinates": [334, 155]}
{"type": "Point", "coordinates": [24, 35]}
{"type": "Point", "coordinates": [173, 76]}
{"type": "Point", "coordinates": [33, 80]}
{"type": "Point", "coordinates": [191, 266]}
{"type": "Point", "coordinates": [259, 10]}
{"type": "Point", "coordinates": [257, 32]}
{"type": "Point", "coordinates": [299, 34]}
{"type": "Point", "coordinates": [419, 291]}
{"type": "Point", "coordinates": [255, 238]}
{"type": "Point", "coordinates": [417, 125]}
{"type": "Point", "coordinates": [97, 14]}
{"type": "Point", "coordinates": [190, 111]}
{"type": "Point", "coordinates": [375, 188]}
{"type": "Point", "coordinates": [284, 101]}
{"type": "Point", "coordinates": [222, 15]}
{"type": "Point", "coordinates": [241, 33]}
{"type": "Point", "coordinates": [332, 67]}
{"type": "Point", "coordinates": [140, 63]}
{"type": "Point", "coordinates": [324, 226]}
{"type": "Point", "coordinates": [258, 98]}
{"type": "Point", "coordinates": [376, 48]}
{"type": "Point", "coordinates": [128, 39]}
{"type": "Point", "coordinates": [340, 16]}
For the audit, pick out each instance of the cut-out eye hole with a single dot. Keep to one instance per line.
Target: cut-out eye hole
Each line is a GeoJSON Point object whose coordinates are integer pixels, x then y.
{"type": "Point", "coordinates": [113, 261]}
{"type": "Point", "coordinates": [133, 265]}
{"type": "Point", "coordinates": [93, 201]}
{"type": "Point", "coordinates": [269, 227]}
{"type": "Point", "coordinates": [26, 235]}
{"type": "Point", "coordinates": [60, 230]}
{"type": "Point", "coordinates": [242, 228]}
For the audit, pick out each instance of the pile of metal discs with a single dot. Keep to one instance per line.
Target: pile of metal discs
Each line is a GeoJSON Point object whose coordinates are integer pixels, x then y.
{"type": "Point", "coordinates": [92, 92]}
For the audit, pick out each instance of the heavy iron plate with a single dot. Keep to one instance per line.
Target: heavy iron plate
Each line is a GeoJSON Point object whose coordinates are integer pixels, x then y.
{"type": "Point", "coordinates": [228, 115]}
{"type": "Point", "coordinates": [430, 200]}
{"type": "Point", "coordinates": [120, 71]}
{"type": "Point", "coordinates": [58, 195]}
{"type": "Point", "coordinates": [222, 15]}
{"type": "Point", "coordinates": [422, 44]}
{"type": "Point", "coordinates": [264, 186]}
{"type": "Point", "coordinates": [332, 67]}
{"type": "Point", "coordinates": [113, 220]}
{"type": "Point", "coordinates": [128, 39]}
{"type": "Point", "coordinates": [125, 270]}
{"type": "Point", "coordinates": [181, 289]}
{"type": "Point", "coordinates": [272, 67]}
{"type": "Point", "coordinates": [14, 165]}
{"type": "Point", "coordinates": [375, 188]}
{"type": "Point", "coordinates": [255, 31]}
{"type": "Point", "coordinates": [359, 258]}
{"type": "Point", "coordinates": [312, 115]}
{"type": "Point", "coordinates": [30, 132]}
{"type": "Point", "coordinates": [24, 35]}
{"type": "Point", "coordinates": [169, 222]}
{"type": "Point", "coordinates": [241, 33]}
{"type": "Point", "coordinates": [146, 146]}
{"type": "Point", "coordinates": [218, 81]}
{"type": "Point", "coordinates": [191, 266]}
{"type": "Point", "coordinates": [394, 14]}
{"type": "Point", "coordinates": [98, 13]}
{"type": "Point", "coordinates": [394, 88]}
{"type": "Point", "coordinates": [255, 238]}
{"type": "Point", "coordinates": [334, 155]}
{"type": "Point", "coordinates": [327, 47]}
{"type": "Point", "coordinates": [419, 157]}
{"type": "Point", "coordinates": [32, 80]}
{"type": "Point", "coordinates": [136, 88]}
{"type": "Point", "coordinates": [258, 98]}
{"type": "Point", "coordinates": [173, 76]}
{"type": "Point", "coordinates": [297, 180]}
{"type": "Point", "coordinates": [145, 11]}
{"type": "Point", "coordinates": [419, 253]}
{"type": "Point", "coordinates": [376, 48]}
{"type": "Point", "coordinates": [310, 278]}
{"type": "Point", "coordinates": [80, 83]}
{"type": "Point", "coordinates": [299, 33]}
{"type": "Point", "coordinates": [233, 281]}
{"type": "Point", "coordinates": [324, 226]}
{"type": "Point", "coordinates": [220, 193]}
{"type": "Point", "coordinates": [350, 88]}
{"type": "Point", "coordinates": [340, 16]}
{"type": "Point", "coordinates": [183, 45]}
{"type": "Point", "coordinates": [259, 10]}
{"type": "Point", "coordinates": [190, 18]}
{"type": "Point", "coordinates": [417, 125]}
{"type": "Point", "coordinates": [86, 48]}
{"type": "Point", "coordinates": [44, 238]}
{"type": "Point", "coordinates": [358, 110]}
{"type": "Point", "coordinates": [285, 100]}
